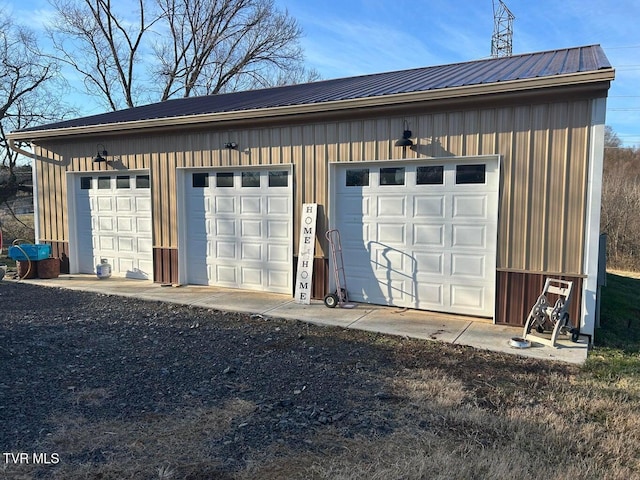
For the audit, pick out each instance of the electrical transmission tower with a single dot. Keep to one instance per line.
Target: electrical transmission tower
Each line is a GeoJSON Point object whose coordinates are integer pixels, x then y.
{"type": "Point", "coordinates": [502, 38]}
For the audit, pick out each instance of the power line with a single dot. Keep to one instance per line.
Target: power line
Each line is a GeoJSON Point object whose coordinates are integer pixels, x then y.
{"type": "Point", "coordinates": [617, 48]}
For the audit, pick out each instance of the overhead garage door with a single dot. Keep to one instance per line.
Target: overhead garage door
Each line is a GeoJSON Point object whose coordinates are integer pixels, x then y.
{"type": "Point", "coordinates": [239, 229]}
{"type": "Point", "coordinates": [420, 235]}
{"type": "Point", "coordinates": [113, 221]}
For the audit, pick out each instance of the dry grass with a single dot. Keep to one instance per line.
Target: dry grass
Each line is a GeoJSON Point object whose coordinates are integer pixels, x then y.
{"type": "Point", "coordinates": [581, 429]}
{"type": "Point", "coordinates": [19, 227]}
{"type": "Point", "coordinates": [172, 446]}
{"type": "Point", "coordinates": [459, 419]}
{"type": "Point", "coordinates": [575, 427]}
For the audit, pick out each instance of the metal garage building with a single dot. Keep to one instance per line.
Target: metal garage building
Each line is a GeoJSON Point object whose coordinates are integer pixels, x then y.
{"type": "Point", "coordinates": [498, 189]}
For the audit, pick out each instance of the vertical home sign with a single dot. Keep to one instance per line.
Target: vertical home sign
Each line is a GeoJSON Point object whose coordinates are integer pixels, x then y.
{"type": "Point", "coordinates": [306, 249]}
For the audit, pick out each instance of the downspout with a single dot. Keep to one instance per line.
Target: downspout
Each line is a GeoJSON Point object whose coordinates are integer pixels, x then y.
{"type": "Point", "coordinates": [34, 179]}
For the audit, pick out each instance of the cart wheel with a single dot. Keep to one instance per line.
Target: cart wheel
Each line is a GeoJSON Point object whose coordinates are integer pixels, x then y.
{"type": "Point", "coordinates": [575, 335]}
{"type": "Point", "coordinates": [331, 300]}
{"type": "Point", "coordinates": [539, 329]}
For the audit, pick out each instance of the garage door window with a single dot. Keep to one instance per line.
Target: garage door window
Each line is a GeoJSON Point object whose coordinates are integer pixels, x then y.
{"type": "Point", "coordinates": [470, 174]}
{"type": "Point", "coordinates": [279, 179]}
{"type": "Point", "coordinates": [430, 175]}
{"type": "Point", "coordinates": [104, 183]}
{"type": "Point", "coordinates": [142, 181]}
{"type": "Point", "coordinates": [392, 176]}
{"type": "Point", "coordinates": [224, 179]}
{"type": "Point", "coordinates": [357, 177]}
{"type": "Point", "coordinates": [122, 181]}
{"type": "Point", "coordinates": [85, 183]}
{"type": "Point", "coordinates": [250, 179]}
{"type": "Point", "coordinates": [200, 180]}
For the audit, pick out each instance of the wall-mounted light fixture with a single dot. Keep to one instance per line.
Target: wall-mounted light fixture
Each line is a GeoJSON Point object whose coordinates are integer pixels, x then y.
{"type": "Point", "coordinates": [405, 141]}
{"type": "Point", "coordinates": [231, 145]}
{"type": "Point", "coordinates": [101, 155]}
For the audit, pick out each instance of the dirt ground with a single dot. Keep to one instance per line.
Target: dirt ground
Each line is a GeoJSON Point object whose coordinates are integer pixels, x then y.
{"type": "Point", "coordinates": [95, 386]}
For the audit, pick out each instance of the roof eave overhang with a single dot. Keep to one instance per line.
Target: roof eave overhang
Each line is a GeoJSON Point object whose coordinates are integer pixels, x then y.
{"type": "Point", "coordinates": [515, 86]}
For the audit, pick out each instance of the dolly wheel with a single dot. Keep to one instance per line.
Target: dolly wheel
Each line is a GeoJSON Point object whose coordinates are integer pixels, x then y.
{"type": "Point", "coordinates": [539, 329]}
{"type": "Point", "coordinates": [575, 335]}
{"type": "Point", "coordinates": [331, 300]}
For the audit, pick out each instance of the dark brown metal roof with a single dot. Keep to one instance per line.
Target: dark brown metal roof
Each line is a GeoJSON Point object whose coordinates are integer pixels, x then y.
{"type": "Point", "coordinates": [479, 72]}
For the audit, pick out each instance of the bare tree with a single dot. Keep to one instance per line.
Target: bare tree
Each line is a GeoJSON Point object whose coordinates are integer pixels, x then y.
{"type": "Point", "coordinates": [176, 48]}
{"type": "Point", "coordinates": [621, 203]}
{"type": "Point", "coordinates": [103, 45]}
{"type": "Point", "coordinates": [25, 95]}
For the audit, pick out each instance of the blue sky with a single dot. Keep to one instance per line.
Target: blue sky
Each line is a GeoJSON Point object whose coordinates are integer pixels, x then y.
{"type": "Point", "coordinates": [353, 37]}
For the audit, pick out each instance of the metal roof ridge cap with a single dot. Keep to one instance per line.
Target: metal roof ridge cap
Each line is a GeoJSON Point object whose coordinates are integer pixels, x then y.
{"type": "Point", "coordinates": [335, 105]}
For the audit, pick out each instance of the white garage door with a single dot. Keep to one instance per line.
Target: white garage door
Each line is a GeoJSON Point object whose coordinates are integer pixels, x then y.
{"type": "Point", "coordinates": [113, 221]}
{"type": "Point", "coordinates": [239, 229]}
{"type": "Point", "coordinates": [420, 235]}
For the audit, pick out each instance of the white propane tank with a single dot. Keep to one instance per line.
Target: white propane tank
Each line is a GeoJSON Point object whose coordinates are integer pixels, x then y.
{"type": "Point", "coordinates": [103, 269]}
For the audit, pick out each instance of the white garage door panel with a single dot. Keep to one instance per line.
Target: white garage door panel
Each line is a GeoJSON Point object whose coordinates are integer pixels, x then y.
{"type": "Point", "coordinates": [428, 206]}
{"type": "Point", "coordinates": [114, 223]}
{"type": "Point", "coordinates": [423, 245]}
{"type": "Point", "coordinates": [248, 231]}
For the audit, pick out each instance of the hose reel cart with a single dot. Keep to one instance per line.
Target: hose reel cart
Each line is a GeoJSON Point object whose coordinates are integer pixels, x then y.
{"type": "Point", "coordinates": [548, 315]}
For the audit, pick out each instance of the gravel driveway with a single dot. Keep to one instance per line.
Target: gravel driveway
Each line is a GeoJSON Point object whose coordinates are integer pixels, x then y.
{"type": "Point", "coordinates": [72, 360]}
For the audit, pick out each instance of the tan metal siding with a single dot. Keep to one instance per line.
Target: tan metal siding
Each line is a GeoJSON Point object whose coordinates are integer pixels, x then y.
{"type": "Point", "coordinates": [544, 169]}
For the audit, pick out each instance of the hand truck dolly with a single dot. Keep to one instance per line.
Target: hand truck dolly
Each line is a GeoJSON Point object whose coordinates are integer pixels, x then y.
{"type": "Point", "coordinates": [340, 296]}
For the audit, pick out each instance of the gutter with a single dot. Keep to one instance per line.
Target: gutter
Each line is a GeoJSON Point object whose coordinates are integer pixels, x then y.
{"type": "Point", "coordinates": [322, 107]}
{"type": "Point", "coordinates": [11, 138]}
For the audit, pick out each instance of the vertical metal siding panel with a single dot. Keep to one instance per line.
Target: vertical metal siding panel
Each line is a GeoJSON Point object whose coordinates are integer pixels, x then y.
{"type": "Point", "coordinates": [156, 188]}
{"type": "Point", "coordinates": [42, 190]}
{"type": "Point", "coordinates": [356, 141]}
{"type": "Point", "coordinates": [262, 143]}
{"type": "Point", "coordinates": [274, 145]}
{"type": "Point", "coordinates": [172, 218]}
{"type": "Point", "coordinates": [369, 144]}
{"type": "Point", "coordinates": [320, 179]}
{"type": "Point", "coordinates": [537, 188]}
{"type": "Point", "coordinates": [333, 148]}
{"type": "Point", "coordinates": [488, 133]}
{"type": "Point", "coordinates": [286, 152]}
{"type": "Point", "coordinates": [320, 166]}
{"type": "Point", "coordinates": [49, 196]}
{"type": "Point", "coordinates": [344, 142]}
{"type": "Point", "coordinates": [505, 145]}
{"type": "Point", "coordinates": [308, 155]}
{"type": "Point", "coordinates": [255, 158]}
{"type": "Point", "coordinates": [300, 172]}
{"type": "Point", "coordinates": [63, 225]}
{"type": "Point", "coordinates": [558, 210]}
{"type": "Point", "coordinates": [383, 137]}
{"type": "Point", "coordinates": [455, 133]}
{"type": "Point", "coordinates": [423, 133]}
{"type": "Point", "coordinates": [577, 184]}
{"type": "Point", "coordinates": [519, 230]}
{"type": "Point", "coordinates": [168, 197]}
{"type": "Point", "coordinates": [201, 152]}
{"type": "Point", "coordinates": [439, 140]}
{"type": "Point", "coordinates": [471, 138]}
